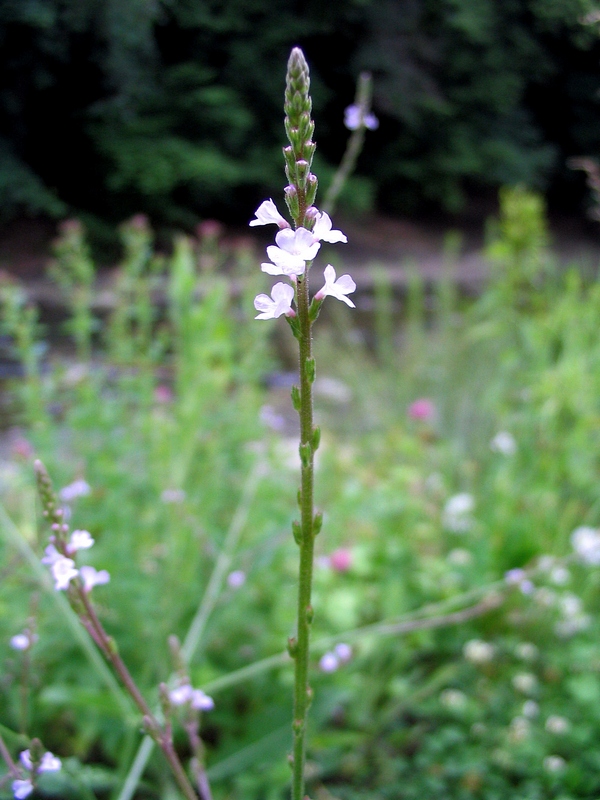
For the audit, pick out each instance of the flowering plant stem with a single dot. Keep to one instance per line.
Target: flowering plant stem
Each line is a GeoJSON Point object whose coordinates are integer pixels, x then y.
{"type": "Point", "coordinates": [300, 652]}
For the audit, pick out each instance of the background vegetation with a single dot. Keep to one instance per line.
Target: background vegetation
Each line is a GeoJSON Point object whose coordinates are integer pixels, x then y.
{"type": "Point", "coordinates": [172, 107]}
{"type": "Point", "coordinates": [461, 682]}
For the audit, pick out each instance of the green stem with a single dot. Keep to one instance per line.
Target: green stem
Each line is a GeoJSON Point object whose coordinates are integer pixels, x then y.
{"type": "Point", "coordinates": [301, 649]}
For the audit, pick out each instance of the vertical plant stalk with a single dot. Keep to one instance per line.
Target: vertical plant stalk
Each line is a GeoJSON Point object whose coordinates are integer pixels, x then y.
{"type": "Point", "coordinates": [82, 605]}
{"type": "Point", "coordinates": [300, 195]}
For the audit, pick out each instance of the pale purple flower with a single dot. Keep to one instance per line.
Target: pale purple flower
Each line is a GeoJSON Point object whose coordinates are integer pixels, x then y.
{"type": "Point", "coordinates": [354, 118]}
{"type": "Point", "coordinates": [323, 232]}
{"type": "Point", "coordinates": [504, 443]}
{"type": "Point", "coordinates": [329, 662]}
{"type": "Point", "coordinates": [92, 577]}
{"type": "Point", "coordinates": [293, 250]}
{"type": "Point", "coordinates": [586, 543]}
{"type": "Point", "coordinates": [78, 488]}
{"type": "Point", "coordinates": [279, 303]}
{"type": "Point", "coordinates": [267, 214]}
{"type": "Point", "coordinates": [20, 641]}
{"type": "Point", "coordinates": [336, 288]}
{"type": "Point", "coordinates": [514, 576]}
{"type": "Point", "coordinates": [79, 540]}
{"type": "Point", "coordinates": [49, 762]}
{"type": "Point", "coordinates": [456, 516]}
{"type": "Point", "coordinates": [173, 496]}
{"type": "Point", "coordinates": [343, 651]}
{"type": "Point", "coordinates": [52, 555]}
{"type": "Point", "coordinates": [22, 788]}
{"type": "Point", "coordinates": [201, 701]}
{"type": "Point", "coordinates": [236, 578]}
{"type": "Point", "coordinates": [63, 571]}
{"type": "Point", "coordinates": [181, 695]}
{"type": "Point", "coordinates": [23, 641]}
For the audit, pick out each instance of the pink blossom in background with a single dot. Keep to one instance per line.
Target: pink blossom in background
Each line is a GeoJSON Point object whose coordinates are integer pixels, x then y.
{"type": "Point", "coordinates": [340, 560]}
{"type": "Point", "coordinates": [209, 229]}
{"type": "Point", "coordinates": [22, 448]}
{"type": "Point", "coordinates": [163, 393]}
{"type": "Point", "coordinates": [422, 409]}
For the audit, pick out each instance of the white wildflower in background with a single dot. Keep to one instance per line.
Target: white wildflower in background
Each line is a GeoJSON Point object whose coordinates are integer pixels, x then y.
{"type": "Point", "coordinates": [545, 597]}
{"type": "Point", "coordinates": [525, 682]}
{"type": "Point", "coordinates": [333, 389]}
{"type": "Point", "coordinates": [22, 788]}
{"type": "Point", "coordinates": [515, 576]}
{"type": "Point", "coordinates": [453, 699]}
{"type": "Point", "coordinates": [586, 543]}
{"type": "Point", "coordinates": [181, 694]}
{"type": "Point", "coordinates": [196, 698]}
{"type": "Point", "coordinates": [557, 724]}
{"type": "Point", "coordinates": [267, 214]}
{"type": "Point", "coordinates": [504, 443]}
{"type": "Point", "coordinates": [354, 118]}
{"type": "Point", "coordinates": [456, 516]}
{"type": "Point", "coordinates": [520, 728]}
{"type": "Point", "coordinates": [554, 763]}
{"type": "Point", "coordinates": [478, 652]}
{"type": "Point", "coordinates": [526, 651]}
{"type": "Point", "coordinates": [560, 575]}
{"type": "Point", "coordinates": [79, 488]}
{"type": "Point", "coordinates": [459, 557]}
{"type": "Point", "coordinates": [530, 709]}
{"type": "Point", "coordinates": [279, 303]}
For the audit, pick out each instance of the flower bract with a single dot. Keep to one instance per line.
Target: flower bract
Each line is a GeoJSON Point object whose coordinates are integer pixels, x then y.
{"type": "Point", "coordinates": [279, 303]}
{"type": "Point", "coordinates": [339, 288]}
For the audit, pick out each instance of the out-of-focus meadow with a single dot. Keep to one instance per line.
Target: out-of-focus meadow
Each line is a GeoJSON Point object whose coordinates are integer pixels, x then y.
{"type": "Point", "coordinates": [456, 639]}
{"type": "Point", "coordinates": [457, 448]}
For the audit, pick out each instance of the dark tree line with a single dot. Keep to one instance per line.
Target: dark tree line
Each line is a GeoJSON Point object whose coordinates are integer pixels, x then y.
{"type": "Point", "coordinates": [173, 107]}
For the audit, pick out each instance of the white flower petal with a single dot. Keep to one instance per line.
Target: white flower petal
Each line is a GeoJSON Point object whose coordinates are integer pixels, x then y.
{"type": "Point", "coordinates": [323, 230]}
{"type": "Point", "coordinates": [22, 789]}
{"type": "Point", "coordinates": [92, 577]}
{"type": "Point", "coordinates": [336, 288]}
{"type": "Point", "coordinates": [267, 214]}
{"type": "Point", "coordinates": [279, 303]}
{"type": "Point", "coordinates": [49, 763]}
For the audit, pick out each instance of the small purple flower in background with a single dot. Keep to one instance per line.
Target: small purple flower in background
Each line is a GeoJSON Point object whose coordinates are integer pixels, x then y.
{"type": "Point", "coordinates": [514, 576]}
{"type": "Point", "coordinates": [201, 701]}
{"type": "Point", "coordinates": [24, 640]}
{"type": "Point", "coordinates": [329, 662]}
{"type": "Point", "coordinates": [343, 651]}
{"type": "Point", "coordinates": [422, 409]}
{"type": "Point", "coordinates": [336, 288]}
{"type": "Point", "coordinates": [51, 556]}
{"type": "Point", "coordinates": [78, 488]}
{"type": "Point", "coordinates": [279, 303]}
{"type": "Point", "coordinates": [22, 788]}
{"type": "Point", "coordinates": [63, 571]}
{"type": "Point", "coordinates": [163, 394]}
{"type": "Point", "coordinates": [173, 496]}
{"type": "Point", "coordinates": [267, 214]}
{"type": "Point", "coordinates": [353, 119]}
{"type": "Point", "coordinates": [195, 697]}
{"type": "Point", "coordinates": [236, 579]}
{"type": "Point", "coordinates": [92, 577]}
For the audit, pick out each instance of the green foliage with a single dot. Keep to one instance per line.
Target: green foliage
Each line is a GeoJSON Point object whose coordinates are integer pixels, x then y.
{"type": "Point", "coordinates": [165, 429]}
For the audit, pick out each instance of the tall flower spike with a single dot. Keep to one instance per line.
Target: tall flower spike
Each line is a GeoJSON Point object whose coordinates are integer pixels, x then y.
{"type": "Point", "coordinates": [299, 128]}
